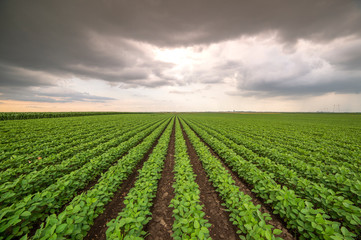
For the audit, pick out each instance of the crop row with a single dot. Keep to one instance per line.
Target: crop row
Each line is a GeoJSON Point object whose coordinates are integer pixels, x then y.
{"type": "Point", "coordinates": [244, 214]}
{"type": "Point", "coordinates": [298, 213]}
{"type": "Point", "coordinates": [333, 159]}
{"type": "Point", "coordinates": [48, 144]}
{"type": "Point", "coordinates": [319, 138]}
{"type": "Point", "coordinates": [75, 221]}
{"type": "Point", "coordinates": [12, 173]}
{"type": "Point", "coordinates": [21, 134]}
{"type": "Point", "coordinates": [329, 144]}
{"type": "Point", "coordinates": [37, 206]}
{"type": "Point", "coordinates": [337, 206]}
{"type": "Point", "coordinates": [50, 138]}
{"type": "Point", "coordinates": [136, 214]}
{"type": "Point", "coordinates": [314, 149]}
{"type": "Point", "coordinates": [34, 152]}
{"type": "Point", "coordinates": [26, 137]}
{"type": "Point", "coordinates": [189, 222]}
{"type": "Point", "coordinates": [38, 180]}
{"type": "Point", "coordinates": [32, 115]}
{"type": "Point", "coordinates": [349, 188]}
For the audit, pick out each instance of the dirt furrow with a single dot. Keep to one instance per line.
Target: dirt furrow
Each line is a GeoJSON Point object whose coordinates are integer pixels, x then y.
{"type": "Point", "coordinates": [36, 226]}
{"type": "Point", "coordinates": [96, 179]}
{"type": "Point", "coordinates": [93, 182]}
{"type": "Point", "coordinates": [99, 228]}
{"type": "Point", "coordinates": [160, 227]}
{"type": "Point", "coordinates": [276, 221]}
{"type": "Point", "coordinates": [221, 227]}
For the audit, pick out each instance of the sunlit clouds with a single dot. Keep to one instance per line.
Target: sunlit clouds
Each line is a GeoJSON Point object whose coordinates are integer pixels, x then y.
{"type": "Point", "coordinates": [180, 56]}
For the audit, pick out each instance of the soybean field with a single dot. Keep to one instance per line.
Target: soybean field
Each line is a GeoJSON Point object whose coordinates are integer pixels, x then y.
{"type": "Point", "coordinates": [180, 176]}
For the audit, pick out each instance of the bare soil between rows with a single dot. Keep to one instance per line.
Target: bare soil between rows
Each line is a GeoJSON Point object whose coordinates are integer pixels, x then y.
{"type": "Point", "coordinates": [160, 226]}
{"type": "Point", "coordinates": [221, 227]}
{"type": "Point", "coordinates": [88, 186]}
{"type": "Point", "coordinates": [246, 188]}
{"type": "Point", "coordinates": [99, 228]}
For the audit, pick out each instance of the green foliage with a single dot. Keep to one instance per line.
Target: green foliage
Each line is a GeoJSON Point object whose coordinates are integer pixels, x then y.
{"type": "Point", "coordinates": [332, 202]}
{"type": "Point", "coordinates": [33, 115]}
{"type": "Point", "coordinates": [36, 181]}
{"type": "Point", "coordinates": [307, 167]}
{"type": "Point", "coordinates": [136, 213]}
{"type": "Point", "coordinates": [189, 222]}
{"type": "Point", "coordinates": [84, 208]}
{"type": "Point", "coordinates": [300, 214]}
{"type": "Point", "coordinates": [244, 214]}
{"type": "Point", "coordinates": [46, 202]}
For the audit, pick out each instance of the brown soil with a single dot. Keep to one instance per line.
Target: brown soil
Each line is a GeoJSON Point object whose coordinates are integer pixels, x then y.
{"type": "Point", "coordinates": [276, 221]}
{"type": "Point", "coordinates": [99, 228]}
{"type": "Point", "coordinates": [160, 226]}
{"type": "Point", "coordinates": [221, 227]}
{"type": "Point", "coordinates": [95, 180]}
{"type": "Point", "coordinates": [86, 188]}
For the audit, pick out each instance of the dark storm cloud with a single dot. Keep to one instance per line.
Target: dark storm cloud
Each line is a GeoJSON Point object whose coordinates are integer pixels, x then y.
{"type": "Point", "coordinates": [274, 89]}
{"type": "Point", "coordinates": [291, 77]}
{"type": "Point", "coordinates": [346, 57]}
{"type": "Point", "coordinates": [299, 82]}
{"type": "Point", "coordinates": [187, 22]}
{"type": "Point", "coordinates": [39, 95]}
{"type": "Point", "coordinates": [24, 85]}
{"type": "Point", "coordinates": [351, 61]}
{"type": "Point", "coordinates": [54, 39]}
{"type": "Point", "coordinates": [92, 39]}
{"type": "Point", "coordinates": [42, 33]}
{"type": "Point", "coordinates": [18, 77]}
{"type": "Point", "coordinates": [190, 22]}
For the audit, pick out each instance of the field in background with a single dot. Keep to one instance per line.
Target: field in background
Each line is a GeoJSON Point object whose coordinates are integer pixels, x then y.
{"type": "Point", "coordinates": [35, 115]}
{"type": "Point", "coordinates": [181, 176]}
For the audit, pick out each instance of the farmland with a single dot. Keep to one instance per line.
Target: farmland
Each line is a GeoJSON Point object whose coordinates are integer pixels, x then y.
{"type": "Point", "coordinates": [180, 176]}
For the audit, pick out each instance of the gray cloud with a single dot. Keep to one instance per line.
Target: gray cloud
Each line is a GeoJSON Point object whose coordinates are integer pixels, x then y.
{"type": "Point", "coordinates": [274, 89]}
{"type": "Point", "coordinates": [18, 77]}
{"type": "Point", "coordinates": [26, 85]}
{"type": "Point", "coordinates": [43, 33]}
{"type": "Point", "coordinates": [346, 57]}
{"type": "Point", "coordinates": [64, 41]}
{"type": "Point", "coordinates": [301, 82]}
{"type": "Point", "coordinates": [169, 23]}
{"type": "Point", "coordinates": [293, 75]}
{"type": "Point", "coordinates": [41, 95]}
{"type": "Point", "coordinates": [43, 41]}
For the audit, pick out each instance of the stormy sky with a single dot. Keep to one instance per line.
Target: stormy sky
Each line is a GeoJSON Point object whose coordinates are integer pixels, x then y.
{"type": "Point", "coordinates": [189, 55]}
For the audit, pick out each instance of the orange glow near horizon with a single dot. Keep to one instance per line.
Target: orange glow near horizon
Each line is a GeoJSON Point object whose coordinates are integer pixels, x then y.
{"type": "Point", "coordinates": [25, 106]}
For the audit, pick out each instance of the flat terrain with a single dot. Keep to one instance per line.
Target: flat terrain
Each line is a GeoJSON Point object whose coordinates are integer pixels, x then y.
{"type": "Point", "coordinates": [181, 176]}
